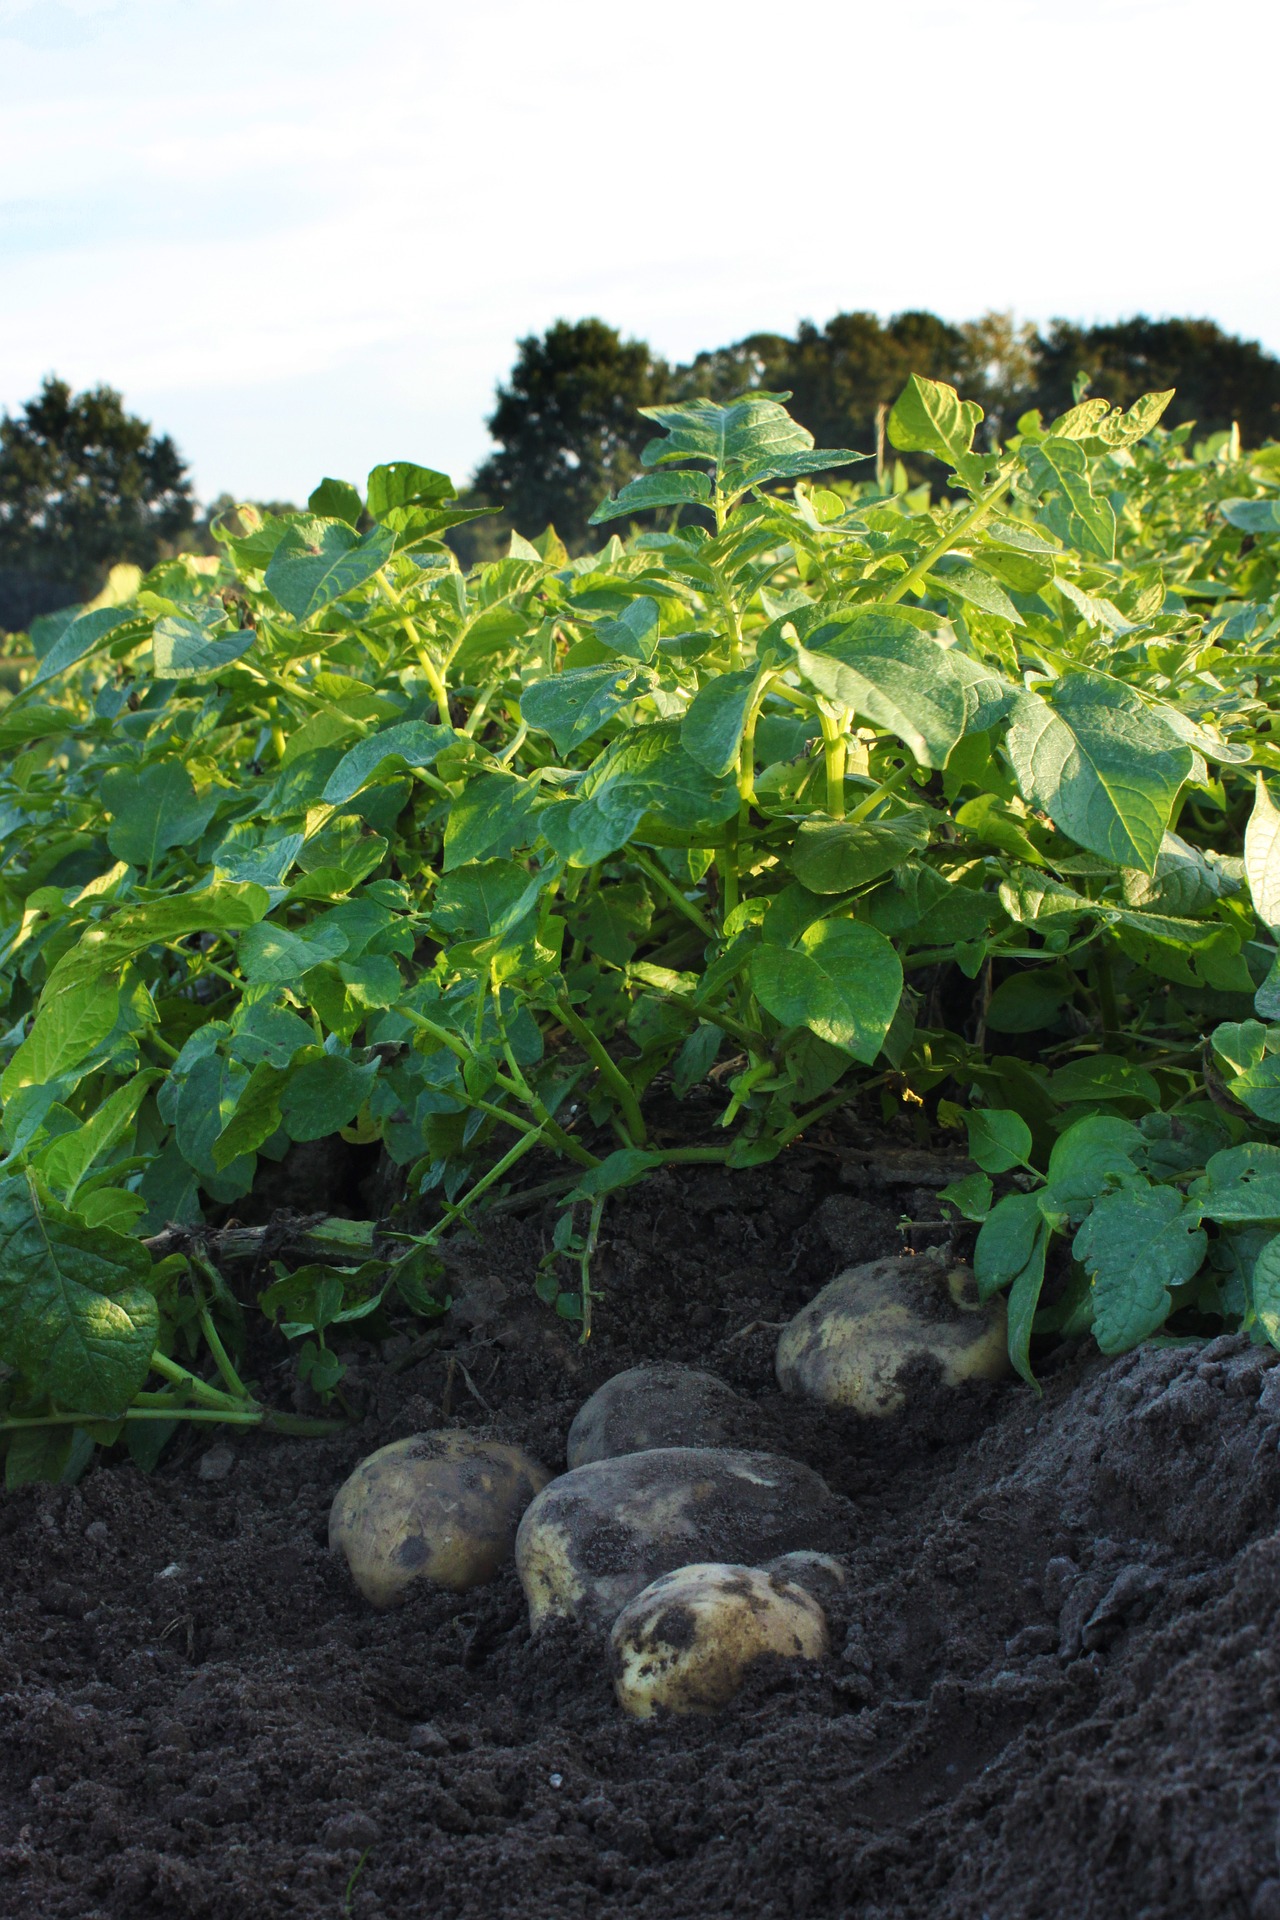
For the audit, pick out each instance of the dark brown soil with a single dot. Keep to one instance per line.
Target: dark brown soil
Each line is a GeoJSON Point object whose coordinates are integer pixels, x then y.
{"type": "Point", "coordinates": [1054, 1689]}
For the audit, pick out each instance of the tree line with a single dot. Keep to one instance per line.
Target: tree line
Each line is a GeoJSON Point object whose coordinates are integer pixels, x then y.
{"type": "Point", "coordinates": [84, 483]}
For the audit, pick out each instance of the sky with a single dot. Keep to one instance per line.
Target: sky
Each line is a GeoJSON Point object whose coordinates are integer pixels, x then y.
{"type": "Point", "coordinates": [304, 236]}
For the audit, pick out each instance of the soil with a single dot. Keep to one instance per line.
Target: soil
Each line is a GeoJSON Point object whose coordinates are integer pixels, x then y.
{"type": "Point", "coordinates": [1056, 1664]}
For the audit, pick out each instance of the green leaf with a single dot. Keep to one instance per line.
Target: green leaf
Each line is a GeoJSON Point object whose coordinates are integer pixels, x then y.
{"type": "Point", "coordinates": [1265, 1289]}
{"type": "Point", "coordinates": [105, 946]}
{"type": "Point", "coordinates": [878, 663]}
{"type": "Point", "coordinates": [155, 808]}
{"type": "Point", "coordinates": [1104, 1077]}
{"type": "Point", "coordinates": [711, 731]}
{"type": "Point", "coordinates": [654, 490]}
{"type": "Point", "coordinates": [1007, 1242]}
{"type": "Point", "coordinates": [76, 1314]}
{"type": "Point", "coordinates": [1136, 1245]}
{"type": "Point", "coordinates": [634, 634]}
{"type": "Point", "coordinates": [324, 1095]}
{"type": "Point", "coordinates": [414, 743]}
{"type": "Point", "coordinates": [743, 432]}
{"type": "Point", "coordinates": [320, 560]}
{"type": "Point", "coordinates": [619, 1169]}
{"type": "Point", "coordinates": [1240, 1185]}
{"type": "Point", "coordinates": [402, 484]}
{"type": "Point", "coordinates": [336, 500]}
{"type": "Point", "coordinates": [971, 1196]}
{"type": "Point", "coordinates": [271, 955]}
{"type": "Point", "coordinates": [998, 1140]}
{"type": "Point", "coordinates": [1252, 516]}
{"type": "Point", "coordinates": [84, 636]}
{"type": "Point", "coordinates": [842, 980]}
{"type": "Point", "coordinates": [1262, 858]}
{"type": "Point", "coordinates": [256, 1116]}
{"type": "Point", "coordinates": [572, 706]}
{"type": "Point", "coordinates": [1011, 1249]}
{"type": "Point", "coordinates": [1104, 768]}
{"type": "Point", "coordinates": [1092, 1156]}
{"type": "Point", "coordinates": [485, 900]}
{"type": "Point", "coordinates": [68, 1027]}
{"type": "Point", "coordinates": [977, 589]}
{"type": "Point", "coordinates": [192, 648]}
{"type": "Point", "coordinates": [491, 818]}
{"type": "Point", "coordinates": [929, 417]}
{"type": "Point", "coordinates": [648, 771]}
{"type": "Point", "coordinates": [835, 856]}
{"type": "Point", "coordinates": [1060, 469]}
{"type": "Point", "coordinates": [67, 1159]}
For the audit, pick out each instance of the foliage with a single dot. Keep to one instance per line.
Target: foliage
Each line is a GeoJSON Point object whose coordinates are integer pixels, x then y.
{"type": "Point", "coordinates": [567, 430]}
{"type": "Point", "coordinates": [809, 796]}
{"type": "Point", "coordinates": [1220, 380]}
{"type": "Point", "coordinates": [83, 485]}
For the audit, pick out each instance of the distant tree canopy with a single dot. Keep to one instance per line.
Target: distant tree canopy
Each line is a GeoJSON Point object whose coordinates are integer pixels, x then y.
{"type": "Point", "coordinates": [567, 430]}
{"type": "Point", "coordinates": [567, 425]}
{"type": "Point", "coordinates": [83, 484]}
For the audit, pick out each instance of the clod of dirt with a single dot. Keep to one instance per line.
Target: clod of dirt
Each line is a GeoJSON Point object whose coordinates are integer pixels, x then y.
{"type": "Point", "coordinates": [687, 1642]}
{"type": "Point", "coordinates": [596, 1537]}
{"type": "Point", "coordinates": [853, 1345]}
{"type": "Point", "coordinates": [437, 1507]}
{"type": "Point", "coordinates": [659, 1406]}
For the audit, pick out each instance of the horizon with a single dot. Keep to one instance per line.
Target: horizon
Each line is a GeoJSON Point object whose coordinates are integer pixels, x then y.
{"type": "Point", "coordinates": [323, 255]}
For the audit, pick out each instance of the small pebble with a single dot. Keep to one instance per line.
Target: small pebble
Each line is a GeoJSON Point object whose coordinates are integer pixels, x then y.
{"type": "Point", "coordinates": [556, 1779]}
{"type": "Point", "coordinates": [217, 1463]}
{"type": "Point", "coordinates": [345, 1830]}
{"type": "Point", "coordinates": [97, 1533]}
{"type": "Point", "coordinates": [427, 1739]}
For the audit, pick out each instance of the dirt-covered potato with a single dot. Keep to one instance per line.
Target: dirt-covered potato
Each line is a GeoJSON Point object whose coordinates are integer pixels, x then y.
{"type": "Point", "coordinates": [853, 1343]}
{"type": "Point", "coordinates": [820, 1574]}
{"type": "Point", "coordinates": [440, 1507]}
{"type": "Point", "coordinates": [659, 1406]}
{"type": "Point", "coordinates": [688, 1641]}
{"type": "Point", "coordinates": [599, 1534]}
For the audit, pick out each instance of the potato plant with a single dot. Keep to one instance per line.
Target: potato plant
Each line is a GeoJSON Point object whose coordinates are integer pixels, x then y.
{"type": "Point", "coordinates": [952, 807]}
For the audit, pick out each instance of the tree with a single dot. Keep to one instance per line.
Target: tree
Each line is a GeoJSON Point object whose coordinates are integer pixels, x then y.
{"type": "Point", "coordinates": [83, 484]}
{"type": "Point", "coordinates": [1218, 378]}
{"type": "Point", "coordinates": [567, 426]}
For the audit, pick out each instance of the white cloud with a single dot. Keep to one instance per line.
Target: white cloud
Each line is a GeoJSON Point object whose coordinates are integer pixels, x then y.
{"type": "Point", "coordinates": [311, 233]}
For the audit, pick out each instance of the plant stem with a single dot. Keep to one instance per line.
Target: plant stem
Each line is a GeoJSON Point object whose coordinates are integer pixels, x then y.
{"type": "Point", "coordinates": [833, 751]}
{"type": "Point", "coordinates": [667, 885]}
{"type": "Point", "coordinates": [913, 579]}
{"type": "Point", "coordinates": [247, 1417]}
{"type": "Point", "coordinates": [440, 692]}
{"type": "Point", "coordinates": [456, 1210]}
{"type": "Point", "coordinates": [610, 1072]}
{"type": "Point", "coordinates": [199, 1389]}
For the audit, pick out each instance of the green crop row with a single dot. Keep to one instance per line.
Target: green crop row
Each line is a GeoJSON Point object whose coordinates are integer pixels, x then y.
{"type": "Point", "coordinates": [813, 795]}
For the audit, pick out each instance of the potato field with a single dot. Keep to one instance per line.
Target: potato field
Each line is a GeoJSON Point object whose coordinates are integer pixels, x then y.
{"type": "Point", "coordinates": [640, 1195]}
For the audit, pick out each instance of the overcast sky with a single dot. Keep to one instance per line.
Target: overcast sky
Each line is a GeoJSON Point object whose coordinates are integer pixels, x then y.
{"type": "Point", "coordinates": [303, 235]}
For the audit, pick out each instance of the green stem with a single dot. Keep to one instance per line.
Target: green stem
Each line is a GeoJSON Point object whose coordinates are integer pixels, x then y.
{"type": "Point", "coordinates": [518, 1089]}
{"type": "Point", "coordinates": [918, 574]}
{"type": "Point", "coordinates": [1107, 996]}
{"type": "Point", "coordinates": [198, 1389]}
{"type": "Point", "coordinates": [439, 691]}
{"type": "Point", "coordinates": [610, 1072]}
{"type": "Point", "coordinates": [457, 1210]}
{"type": "Point", "coordinates": [834, 753]}
{"type": "Point", "coordinates": [865, 808]}
{"type": "Point", "coordinates": [588, 1249]}
{"type": "Point", "coordinates": [667, 885]}
{"type": "Point", "coordinates": [248, 1417]}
